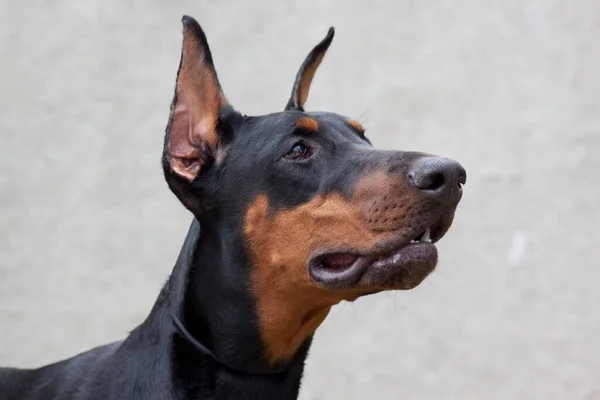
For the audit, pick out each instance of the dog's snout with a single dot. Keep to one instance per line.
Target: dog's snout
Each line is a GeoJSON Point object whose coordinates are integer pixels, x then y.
{"type": "Point", "coordinates": [437, 176]}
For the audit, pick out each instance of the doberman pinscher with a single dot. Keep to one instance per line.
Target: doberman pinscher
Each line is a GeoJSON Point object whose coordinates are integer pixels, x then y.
{"type": "Point", "coordinates": [293, 212]}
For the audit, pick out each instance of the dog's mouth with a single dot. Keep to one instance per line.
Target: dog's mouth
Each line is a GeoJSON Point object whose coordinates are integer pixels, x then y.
{"type": "Point", "coordinates": [398, 264]}
{"type": "Point", "coordinates": [344, 261]}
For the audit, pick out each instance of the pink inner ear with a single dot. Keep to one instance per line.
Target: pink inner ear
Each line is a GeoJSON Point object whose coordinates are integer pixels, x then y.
{"type": "Point", "coordinates": [185, 156]}
{"type": "Point", "coordinates": [180, 139]}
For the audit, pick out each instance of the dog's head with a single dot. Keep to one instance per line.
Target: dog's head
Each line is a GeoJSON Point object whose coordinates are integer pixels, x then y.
{"type": "Point", "coordinates": [322, 216]}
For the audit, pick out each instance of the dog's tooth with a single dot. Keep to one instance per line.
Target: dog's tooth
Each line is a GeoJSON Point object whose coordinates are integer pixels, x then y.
{"type": "Point", "coordinates": [426, 236]}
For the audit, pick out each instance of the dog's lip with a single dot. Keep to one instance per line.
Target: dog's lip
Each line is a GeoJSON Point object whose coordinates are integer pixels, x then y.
{"type": "Point", "coordinates": [414, 259]}
{"type": "Point", "coordinates": [392, 254]}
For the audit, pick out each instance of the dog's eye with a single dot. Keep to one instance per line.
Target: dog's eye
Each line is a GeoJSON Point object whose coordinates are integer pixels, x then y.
{"type": "Point", "coordinates": [298, 152]}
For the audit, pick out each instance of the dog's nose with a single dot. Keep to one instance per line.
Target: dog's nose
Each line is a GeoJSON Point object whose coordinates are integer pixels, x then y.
{"type": "Point", "coordinates": [438, 176]}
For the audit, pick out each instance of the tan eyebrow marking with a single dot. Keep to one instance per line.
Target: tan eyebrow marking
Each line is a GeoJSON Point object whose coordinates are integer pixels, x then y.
{"type": "Point", "coordinates": [356, 125]}
{"type": "Point", "coordinates": [308, 124]}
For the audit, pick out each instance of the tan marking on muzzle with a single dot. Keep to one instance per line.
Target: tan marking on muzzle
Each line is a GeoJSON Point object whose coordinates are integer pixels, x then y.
{"type": "Point", "coordinates": [290, 304]}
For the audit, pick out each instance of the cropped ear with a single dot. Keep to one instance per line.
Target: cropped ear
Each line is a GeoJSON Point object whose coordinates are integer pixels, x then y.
{"type": "Point", "coordinates": [193, 140]}
{"type": "Point", "coordinates": [307, 72]}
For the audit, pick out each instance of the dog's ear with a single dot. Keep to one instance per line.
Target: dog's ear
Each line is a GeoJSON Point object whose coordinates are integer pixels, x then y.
{"type": "Point", "coordinates": [194, 140]}
{"type": "Point", "coordinates": [307, 72]}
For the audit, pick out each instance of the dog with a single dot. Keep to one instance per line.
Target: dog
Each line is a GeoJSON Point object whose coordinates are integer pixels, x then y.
{"type": "Point", "coordinates": [293, 212]}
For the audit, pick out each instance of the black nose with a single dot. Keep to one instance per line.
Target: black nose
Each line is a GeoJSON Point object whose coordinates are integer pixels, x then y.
{"type": "Point", "coordinates": [437, 176]}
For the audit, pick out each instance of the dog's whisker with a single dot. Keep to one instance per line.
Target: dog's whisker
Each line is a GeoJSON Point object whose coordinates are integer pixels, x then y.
{"type": "Point", "coordinates": [355, 313]}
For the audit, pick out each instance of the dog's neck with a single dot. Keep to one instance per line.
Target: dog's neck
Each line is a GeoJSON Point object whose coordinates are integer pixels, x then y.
{"type": "Point", "coordinates": [208, 293]}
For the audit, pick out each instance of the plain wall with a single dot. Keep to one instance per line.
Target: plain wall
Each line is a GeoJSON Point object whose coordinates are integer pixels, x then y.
{"type": "Point", "coordinates": [89, 231]}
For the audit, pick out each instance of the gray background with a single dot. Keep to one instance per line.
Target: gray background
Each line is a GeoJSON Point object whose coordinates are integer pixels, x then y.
{"type": "Point", "coordinates": [89, 231]}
